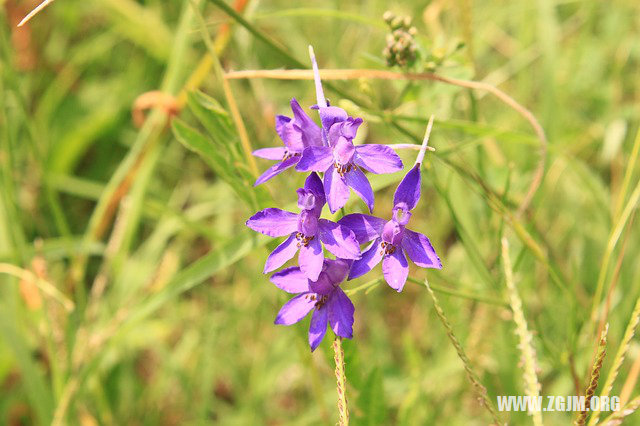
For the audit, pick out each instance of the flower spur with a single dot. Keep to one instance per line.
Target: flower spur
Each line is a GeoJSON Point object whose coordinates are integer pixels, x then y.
{"type": "Point", "coordinates": [306, 230]}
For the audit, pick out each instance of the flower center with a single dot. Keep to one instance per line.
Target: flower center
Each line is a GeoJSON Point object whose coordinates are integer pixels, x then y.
{"type": "Point", "coordinates": [387, 248]}
{"type": "Point", "coordinates": [303, 239]}
{"type": "Point", "coordinates": [289, 154]}
{"type": "Point", "coordinates": [346, 168]}
{"type": "Point", "coordinates": [320, 299]}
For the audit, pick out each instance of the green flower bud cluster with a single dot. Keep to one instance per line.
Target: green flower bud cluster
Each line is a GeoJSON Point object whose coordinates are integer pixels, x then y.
{"type": "Point", "coordinates": [401, 48]}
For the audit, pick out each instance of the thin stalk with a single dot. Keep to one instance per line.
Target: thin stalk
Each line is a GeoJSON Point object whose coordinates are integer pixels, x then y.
{"type": "Point", "coordinates": [425, 141]}
{"type": "Point", "coordinates": [415, 147]}
{"type": "Point", "coordinates": [595, 376]}
{"type": "Point", "coordinates": [471, 375]}
{"type": "Point", "coordinates": [611, 245]}
{"type": "Point", "coordinates": [531, 384]}
{"type": "Point", "coordinates": [35, 11]}
{"type": "Point", "coordinates": [228, 93]}
{"type": "Point", "coordinates": [461, 294]}
{"type": "Point", "coordinates": [619, 357]}
{"type": "Point", "coordinates": [343, 409]}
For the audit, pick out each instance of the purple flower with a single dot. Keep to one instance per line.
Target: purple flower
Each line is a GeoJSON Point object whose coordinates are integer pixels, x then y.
{"type": "Point", "coordinates": [391, 240]}
{"type": "Point", "coordinates": [306, 231]}
{"type": "Point", "coordinates": [297, 133]}
{"type": "Point", "coordinates": [324, 296]}
{"type": "Point", "coordinates": [343, 162]}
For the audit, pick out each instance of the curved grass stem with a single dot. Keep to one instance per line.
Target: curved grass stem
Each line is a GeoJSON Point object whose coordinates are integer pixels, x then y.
{"type": "Point", "coordinates": [350, 74]}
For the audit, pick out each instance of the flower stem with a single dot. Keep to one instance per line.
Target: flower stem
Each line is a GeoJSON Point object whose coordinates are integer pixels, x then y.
{"type": "Point", "coordinates": [425, 141]}
{"type": "Point", "coordinates": [341, 378]}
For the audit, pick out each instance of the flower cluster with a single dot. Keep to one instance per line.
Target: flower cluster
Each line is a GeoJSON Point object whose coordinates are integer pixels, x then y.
{"type": "Point", "coordinates": [329, 149]}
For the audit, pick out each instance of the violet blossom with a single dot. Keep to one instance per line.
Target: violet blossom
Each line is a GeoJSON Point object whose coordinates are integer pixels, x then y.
{"type": "Point", "coordinates": [341, 161]}
{"type": "Point", "coordinates": [324, 296]}
{"type": "Point", "coordinates": [391, 239]}
{"type": "Point", "coordinates": [297, 133]}
{"type": "Point", "coordinates": [307, 232]}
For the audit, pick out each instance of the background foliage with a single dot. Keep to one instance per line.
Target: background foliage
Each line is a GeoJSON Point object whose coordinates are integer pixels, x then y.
{"type": "Point", "coordinates": [171, 321]}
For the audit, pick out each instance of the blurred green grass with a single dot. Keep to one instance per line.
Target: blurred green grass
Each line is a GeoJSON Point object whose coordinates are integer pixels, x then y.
{"type": "Point", "coordinates": [173, 318]}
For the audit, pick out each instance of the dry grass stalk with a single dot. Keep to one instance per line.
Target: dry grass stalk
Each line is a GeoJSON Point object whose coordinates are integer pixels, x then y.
{"type": "Point", "coordinates": [619, 358]}
{"type": "Point", "coordinates": [595, 375]}
{"type": "Point", "coordinates": [531, 384]}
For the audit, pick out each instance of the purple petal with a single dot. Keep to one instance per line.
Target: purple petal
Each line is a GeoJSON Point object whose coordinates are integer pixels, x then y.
{"type": "Point", "coordinates": [361, 186]}
{"type": "Point", "coordinates": [311, 133]}
{"type": "Point", "coordinates": [316, 158]}
{"type": "Point", "coordinates": [295, 309]}
{"type": "Point", "coordinates": [395, 269]}
{"type": "Point", "coordinates": [370, 258]}
{"type": "Point", "coordinates": [308, 223]}
{"type": "Point", "coordinates": [339, 240]}
{"type": "Point", "coordinates": [336, 190]}
{"type": "Point", "coordinates": [341, 314]}
{"type": "Point", "coordinates": [273, 222]}
{"type": "Point", "coordinates": [420, 250]}
{"type": "Point", "coordinates": [291, 135]}
{"type": "Point", "coordinates": [318, 327]}
{"type": "Point", "coordinates": [311, 258]}
{"type": "Point", "coordinates": [281, 122]}
{"type": "Point", "coordinates": [350, 127]}
{"type": "Point", "coordinates": [270, 153]}
{"type": "Point", "coordinates": [277, 169]}
{"type": "Point", "coordinates": [378, 159]}
{"type": "Point", "coordinates": [291, 280]}
{"type": "Point", "coordinates": [314, 184]}
{"type": "Point", "coordinates": [364, 227]}
{"type": "Point", "coordinates": [337, 269]}
{"type": "Point", "coordinates": [343, 150]}
{"type": "Point", "coordinates": [331, 115]}
{"type": "Point", "coordinates": [281, 254]}
{"type": "Point", "coordinates": [408, 191]}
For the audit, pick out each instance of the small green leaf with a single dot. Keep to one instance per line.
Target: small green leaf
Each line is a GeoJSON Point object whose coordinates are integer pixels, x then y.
{"type": "Point", "coordinates": [214, 119]}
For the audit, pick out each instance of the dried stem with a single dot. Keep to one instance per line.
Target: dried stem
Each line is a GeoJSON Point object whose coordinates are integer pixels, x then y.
{"type": "Point", "coordinates": [35, 11]}
{"type": "Point", "coordinates": [343, 409]}
{"type": "Point", "coordinates": [350, 74]}
{"type": "Point", "coordinates": [595, 375]}
{"type": "Point", "coordinates": [532, 386]}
